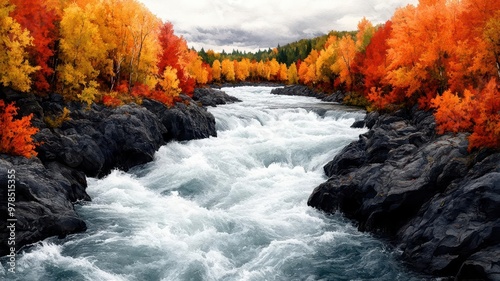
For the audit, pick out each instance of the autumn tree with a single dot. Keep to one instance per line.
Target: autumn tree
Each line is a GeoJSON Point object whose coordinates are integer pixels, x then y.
{"type": "Point", "coordinates": [81, 49]}
{"type": "Point", "coordinates": [144, 53]}
{"type": "Point", "coordinates": [346, 52]}
{"type": "Point", "coordinates": [263, 71]}
{"type": "Point", "coordinates": [216, 70]}
{"type": "Point", "coordinates": [39, 18]}
{"type": "Point", "coordinates": [174, 53]}
{"type": "Point", "coordinates": [282, 73]}
{"type": "Point", "coordinates": [274, 68]}
{"type": "Point", "coordinates": [374, 68]}
{"type": "Point", "coordinates": [307, 69]}
{"type": "Point", "coordinates": [292, 74]}
{"type": "Point", "coordinates": [15, 68]}
{"type": "Point", "coordinates": [114, 18]}
{"type": "Point", "coordinates": [227, 70]}
{"type": "Point", "coordinates": [327, 57]}
{"type": "Point", "coordinates": [418, 71]}
{"type": "Point", "coordinates": [242, 69]}
{"type": "Point", "coordinates": [364, 35]}
{"type": "Point", "coordinates": [16, 134]}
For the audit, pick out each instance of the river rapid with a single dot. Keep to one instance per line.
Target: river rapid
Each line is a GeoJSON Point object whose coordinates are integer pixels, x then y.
{"type": "Point", "coordinates": [226, 208]}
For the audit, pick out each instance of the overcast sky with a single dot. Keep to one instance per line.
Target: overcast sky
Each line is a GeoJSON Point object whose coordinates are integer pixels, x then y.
{"type": "Point", "coordinates": [252, 24]}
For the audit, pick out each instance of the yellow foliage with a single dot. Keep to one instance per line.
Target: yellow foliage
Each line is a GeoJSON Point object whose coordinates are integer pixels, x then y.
{"type": "Point", "coordinates": [216, 70]}
{"type": "Point", "coordinates": [89, 93]}
{"type": "Point", "coordinates": [228, 70]}
{"type": "Point", "coordinates": [14, 66]}
{"type": "Point", "coordinates": [169, 82]}
{"type": "Point", "coordinates": [292, 74]}
{"type": "Point", "coordinates": [81, 46]}
{"type": "Point", "coordinates": [57, 121]}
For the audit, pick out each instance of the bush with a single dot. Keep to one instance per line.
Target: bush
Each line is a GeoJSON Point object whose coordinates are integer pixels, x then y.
{"type": "Point", "coordinates": [16, 134]}
{"type": "Point", "coordinates": [57, 121]}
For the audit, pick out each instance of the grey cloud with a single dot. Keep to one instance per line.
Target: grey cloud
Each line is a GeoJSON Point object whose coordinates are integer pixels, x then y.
{"type": "Point", "coordinates": [248, 25]}
{"type": "Point", "coordinates": [243, 38]}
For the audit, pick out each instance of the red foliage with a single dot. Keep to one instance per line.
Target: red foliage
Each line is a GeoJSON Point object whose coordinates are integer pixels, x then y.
{"type": "Point", "coordinates": [111, 101]}
{"type": "Point", "coordinates": [143, 91]}
{"type": "Point", "coordinates": [39, 19]}
{"type": "Point", "coordinates": [476, 111]}
{"type": "Point", "coordinates": [16, 134]}
{"type": "Point", "coordinates": [140, 90]}
{"type": "Point", "coordinates": [172, 47]}
{"type": "Point", "coordinates": [487, 122]}
{"type": "Point", "coordinates": [375, 63]}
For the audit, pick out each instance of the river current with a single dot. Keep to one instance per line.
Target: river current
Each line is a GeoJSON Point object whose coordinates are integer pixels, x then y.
{"type": "Point", "coordinates": [227, 208]}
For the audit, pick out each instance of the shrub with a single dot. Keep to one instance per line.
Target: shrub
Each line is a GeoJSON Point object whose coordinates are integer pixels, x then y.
{"type": "Point", "coordinates": [16, 134]}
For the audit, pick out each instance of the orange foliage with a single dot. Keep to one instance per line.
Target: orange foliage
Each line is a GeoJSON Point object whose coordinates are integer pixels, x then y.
{"type": "Point", "coordinates": [111, 100]}
{"type": "Point", "coordinates": [16, 134]}
{"type": "Point", "coordinates": [454, 113]}
{"type": "Point", "coordinates": [375, 61]}
{"type": "Point", "coordinates": [486, 131]}
{"type": "Point", "coordinates": [477, 112]}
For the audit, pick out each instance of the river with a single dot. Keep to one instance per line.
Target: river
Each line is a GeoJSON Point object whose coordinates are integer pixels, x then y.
{"type": "Point", "coordinates": [226, 208]}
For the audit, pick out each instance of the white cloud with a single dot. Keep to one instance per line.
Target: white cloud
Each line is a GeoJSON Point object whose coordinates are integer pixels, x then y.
{"type": "Point", "coordinates": [252, 24]}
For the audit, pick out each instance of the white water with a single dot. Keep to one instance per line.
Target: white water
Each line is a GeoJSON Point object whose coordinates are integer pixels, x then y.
{"type": "Point", "coordinates": [226, 208]}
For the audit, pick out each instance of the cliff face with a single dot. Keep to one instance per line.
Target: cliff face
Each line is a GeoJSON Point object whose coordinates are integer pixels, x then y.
{"type": "Point", "coordinates": [92, 143]}
{"type": "Point", "coordinates": [439, 204]}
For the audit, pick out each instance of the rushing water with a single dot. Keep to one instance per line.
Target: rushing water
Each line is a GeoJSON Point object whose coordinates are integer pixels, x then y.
{"type": "Point", "coordinates": [226, 208]}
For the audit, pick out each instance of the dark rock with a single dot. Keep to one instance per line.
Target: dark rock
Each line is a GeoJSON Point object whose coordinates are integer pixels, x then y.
{"type": "Point", "coordinates": [184, 122]}
{"type": "Point", "coordinates": [437, 203]}
{"type": "Point", "coordinates": [297, 90]}
{"type": "Point", "coordinates": [350, 158]}
{"type": "Point", "coordinates": [212, 97]}
{"type": "Point", "coordinates": [358, 124]}
{"type": "Point", "coordinates": [43, 200]}
{"type": "Point", "coordinates": [245, 84]}
{"type": "Point", "coordinates": [98, 140]}
{"type": "Point", "coordinates": [371, 118]}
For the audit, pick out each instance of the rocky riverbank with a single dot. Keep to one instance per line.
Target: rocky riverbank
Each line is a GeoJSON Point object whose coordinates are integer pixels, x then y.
{"type": "Point", "coordinates": [438, 203]}
{"type": "Point", "coordinates": [92, 143]}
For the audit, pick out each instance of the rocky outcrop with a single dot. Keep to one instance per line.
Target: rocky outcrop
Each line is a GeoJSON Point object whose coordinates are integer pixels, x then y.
{"type": "Point", "coordinates": [95, 141]}
{"type": "Point", "coordinates": [439, 204]}
{"type": "Point", "coordinates": [213, 97]}
{"type": "Point", "coordinates": [301, 90]}
{"type": "Point", "coordinates": [43, 200]}
{"type": "Point", "coordinates": [246, 84]}
{"type": "Point", "coordinates": [184, 121]}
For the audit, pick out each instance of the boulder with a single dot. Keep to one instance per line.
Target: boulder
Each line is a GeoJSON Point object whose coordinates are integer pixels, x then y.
{"type": "Point", "coordinates": [297, 90]}
{"type": "Point", "coordinates": [184, 121]}
{"type": "Point", "coordinates": [43, 200]}
{"type": "Point", "coordinates": [212, 97]}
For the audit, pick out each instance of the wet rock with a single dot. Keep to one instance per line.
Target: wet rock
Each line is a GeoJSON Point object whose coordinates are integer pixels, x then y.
{"type": "Point", "coordinates": [43, 200]}
{"type": "Point", "coordinates": [358, 124]}
{"type": "Point", "coordinates": [184, 121]}
{"type": "Point", "coordinates": [297, 90]}
{"type": "Point", "coordinates": [213, 97]}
